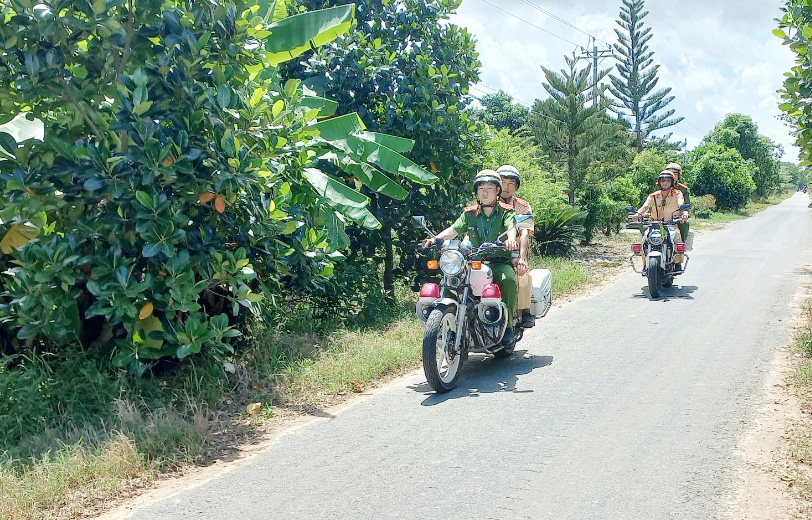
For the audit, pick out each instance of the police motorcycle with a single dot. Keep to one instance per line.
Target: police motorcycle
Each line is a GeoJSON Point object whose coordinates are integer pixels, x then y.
{"type": "Point", "coordinates": [465, 312]}
{"type": "Point", "coordinates": [658, 248]}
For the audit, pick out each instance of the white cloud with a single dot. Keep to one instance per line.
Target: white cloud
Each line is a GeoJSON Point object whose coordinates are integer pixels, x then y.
{"type": "Point", "coordinates": [724, 60]}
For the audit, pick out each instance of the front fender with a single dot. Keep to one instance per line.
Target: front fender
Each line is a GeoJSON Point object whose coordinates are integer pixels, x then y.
{"type": "Point", "coordinates": [446, 302]}
{"type": "Point", "coordinates": [652, 254]}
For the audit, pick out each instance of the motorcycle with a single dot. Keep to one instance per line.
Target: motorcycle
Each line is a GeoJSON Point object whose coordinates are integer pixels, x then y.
{"type": "Point", "coordinates": [465, 312]}
{"type": "Point", "coordinates": [658, 249]}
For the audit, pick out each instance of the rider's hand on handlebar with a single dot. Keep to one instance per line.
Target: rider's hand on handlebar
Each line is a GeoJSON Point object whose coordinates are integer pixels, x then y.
{"type": "Point", "coordinates": [684, 218]}
{"type": "Point", "coordinates": [427, 242]}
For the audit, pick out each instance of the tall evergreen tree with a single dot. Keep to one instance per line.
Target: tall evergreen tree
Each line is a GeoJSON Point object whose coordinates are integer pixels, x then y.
{"type": "Point", "coordinates": [567, 123]}
{"type": "Point", "coordinates": [637, 76]}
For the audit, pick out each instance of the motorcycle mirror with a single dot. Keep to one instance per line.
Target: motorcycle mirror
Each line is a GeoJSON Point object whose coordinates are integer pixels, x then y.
{"type": "Point", "coordinates": [629, 209]}
{"type": "Point", "coordinates": [421, 221]}
{"type": "Point", "coordinates": [684, 207]}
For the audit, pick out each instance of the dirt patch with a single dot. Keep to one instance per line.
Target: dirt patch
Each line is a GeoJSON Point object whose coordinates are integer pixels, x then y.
{"type": "Point", "coordinates": [776, 478]}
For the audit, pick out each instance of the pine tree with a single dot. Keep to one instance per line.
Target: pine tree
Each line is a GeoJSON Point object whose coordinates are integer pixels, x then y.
{"type": "Point", "coordinates": [634, 87]}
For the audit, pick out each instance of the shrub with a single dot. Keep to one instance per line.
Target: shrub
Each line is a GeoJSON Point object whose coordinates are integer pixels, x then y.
{"type": "Point", "coordinates": [557, 232]}
{"type": "Point", "coordinates": [703, 205]}
{"type": "Point", "coordinates": [722, 172]}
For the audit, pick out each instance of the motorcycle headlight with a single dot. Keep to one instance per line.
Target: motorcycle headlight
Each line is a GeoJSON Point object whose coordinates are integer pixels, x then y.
{"type": "Point", "coordinates": [655, 238]}
{"type": "Point", "coordinates": [452, 262]}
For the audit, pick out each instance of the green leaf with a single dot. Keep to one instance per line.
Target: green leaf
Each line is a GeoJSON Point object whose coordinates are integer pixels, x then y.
{"type": "Point", "coordinates": [371, 177]}
{"type": "Point", "coordinates": [326, 107]}
{"type": "Point", "coordinates": [398, 144]}
{"type": "Point", "coordinates": [297, 34]}
{"type": "Point", "coordinates": [7, 143]}
{"type": "Point", "coordinates": [346, 200]}
{"type": "Point", "coordinates": [779, 33]}
{"type": "Point", "coordinates": [145, 199]}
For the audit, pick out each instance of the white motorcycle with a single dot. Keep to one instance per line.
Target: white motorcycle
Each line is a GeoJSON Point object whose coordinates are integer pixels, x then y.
{"type": "Point", "coordinates": [658, 248]}
{"type": "Point", "coordinates": [465, 312]}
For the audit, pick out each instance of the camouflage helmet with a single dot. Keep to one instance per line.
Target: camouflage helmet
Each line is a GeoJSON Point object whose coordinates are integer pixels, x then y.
{"type": "Point", "coordinates": [507, 171]}
{"type": "Point", "coordinates": [486, 176]}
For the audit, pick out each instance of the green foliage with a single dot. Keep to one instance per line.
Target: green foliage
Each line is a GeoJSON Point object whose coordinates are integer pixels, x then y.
{"type": "Point", "coordinates": [541, 181]}
{"type": "Point", "coordinates": [739, 132]}
{"type": "Point", "coordinates": [558, 231]}
{"type": "Point", "coordinates": [703, 206]}
{"type": "Point", "coordinates": [567, 125]}
{"type": "Point", "coordinates": [179, 179]}
{"type": "Point", "coordinates": [643, 173]}
{"type": "Point", "coordinates": [406, 71]}
{"type": "Point", "coordinates": [722, 172]}
{"type": "Point", "coordinates": [795, 28]}
{"type": "Point", "coordinates": [501, 112]}
{"type": "Point", "coordinates": [606, 206]}
{"type": "Point", "coordinates": [634, 85]}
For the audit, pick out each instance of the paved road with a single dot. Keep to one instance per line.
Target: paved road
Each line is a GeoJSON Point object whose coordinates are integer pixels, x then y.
{"type": "Point", "coordinates": [607, 411]}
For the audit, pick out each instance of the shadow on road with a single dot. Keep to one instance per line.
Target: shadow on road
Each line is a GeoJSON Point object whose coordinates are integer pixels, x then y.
{"type": "Point", "coordinates": [675, 292]}
{"type": "Point", "coordinates": [487, 375]}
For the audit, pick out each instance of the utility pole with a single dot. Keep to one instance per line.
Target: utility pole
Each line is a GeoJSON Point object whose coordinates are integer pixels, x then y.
{"type": "Point", "coordinates": [595, 54]}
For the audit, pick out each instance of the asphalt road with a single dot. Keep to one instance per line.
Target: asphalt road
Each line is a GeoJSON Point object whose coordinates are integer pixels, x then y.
{"type": "Point", "coordinates": [613, 407]}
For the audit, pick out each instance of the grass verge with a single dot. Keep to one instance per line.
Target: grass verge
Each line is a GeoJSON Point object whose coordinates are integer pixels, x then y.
{"type": "Point", "coordinates": [800, 441]}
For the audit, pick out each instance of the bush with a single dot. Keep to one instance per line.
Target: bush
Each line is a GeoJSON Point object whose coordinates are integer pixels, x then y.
{"type": "Point", "coordinates": [557, 232]}
{"type": "Point", "coordinates": [178, 179]}
{"type": "Point", "coordinates": [722, 172]}
{"type": "Point", "coordinates": [703, 206]}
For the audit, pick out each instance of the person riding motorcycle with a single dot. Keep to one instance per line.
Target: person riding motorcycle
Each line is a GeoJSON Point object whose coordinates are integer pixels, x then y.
{"type": "Point", "coordinates": [484, 222]}
{"type": "Point", "coordinates": [511, 181]}
{"type": "Point", "coordinates": [662, 204]}
{"type": "Point", "coordinates": [676, 169]}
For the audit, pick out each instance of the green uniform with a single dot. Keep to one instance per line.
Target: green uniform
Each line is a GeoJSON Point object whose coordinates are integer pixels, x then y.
{"type": "Point", "coordinates": [479, 228]}
{"type": "Point", "coordinates": [686, 195]}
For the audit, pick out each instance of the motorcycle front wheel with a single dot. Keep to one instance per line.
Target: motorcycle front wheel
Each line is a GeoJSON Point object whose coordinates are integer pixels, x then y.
{"type": "Point", "coordinates": [441, 366]}
{"type": "Point", "coordinates": [654, 274]}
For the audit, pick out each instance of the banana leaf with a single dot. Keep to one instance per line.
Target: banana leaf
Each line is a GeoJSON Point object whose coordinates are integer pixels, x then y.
{"type": "Point", "coordinates": [297, 34]}
{"type": "Point", "coordinates": [343, 198]}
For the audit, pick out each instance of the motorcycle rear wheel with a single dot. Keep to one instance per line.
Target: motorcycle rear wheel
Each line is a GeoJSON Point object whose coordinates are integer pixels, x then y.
{"type": "Point", "coordinates": [654, 274]}
{"type": "Point", "coordinates": [441, 368]}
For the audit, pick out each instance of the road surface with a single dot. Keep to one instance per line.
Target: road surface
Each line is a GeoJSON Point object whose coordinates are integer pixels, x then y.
{"type": "Point", "coordinates": [613, 407]}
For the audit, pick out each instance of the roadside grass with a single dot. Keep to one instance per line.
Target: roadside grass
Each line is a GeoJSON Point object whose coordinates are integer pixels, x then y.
{"type": "Point", "coordinates": [73, 435]}
{"type": "Point", "coordinates": [752, 207]}
{"type": "Point", "coordinates": [800, 441]}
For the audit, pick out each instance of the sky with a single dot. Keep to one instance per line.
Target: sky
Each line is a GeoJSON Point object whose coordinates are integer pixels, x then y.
{"type": "Point", "coordinates": [718, 56]}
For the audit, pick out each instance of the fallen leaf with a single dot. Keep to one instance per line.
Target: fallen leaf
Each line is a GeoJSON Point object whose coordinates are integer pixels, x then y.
{"type": "Point", "coordinates": [146, 311]}
{"type": "Point", "coordinates": [219, 204]}
{"type": "Point", "coordinates": [17, 236]}
{"type": "Point", "coordinates": [205, 197]}
{"type": "Point", "coordinates": [253, 408]}
{"type": "Point", "coordinates": [357, 387]}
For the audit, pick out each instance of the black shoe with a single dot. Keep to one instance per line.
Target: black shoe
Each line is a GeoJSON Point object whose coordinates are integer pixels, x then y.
{"type": "Point", "coordinates": [509, 338]}
{"type": "Point", "coordinates": [528, 320]}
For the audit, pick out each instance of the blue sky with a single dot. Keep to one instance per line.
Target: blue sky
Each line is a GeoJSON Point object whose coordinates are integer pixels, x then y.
{"type": "Point", "coordinates": [718, 56]}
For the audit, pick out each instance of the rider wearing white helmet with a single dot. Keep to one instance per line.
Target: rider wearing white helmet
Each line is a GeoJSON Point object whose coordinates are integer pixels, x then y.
{"type": "Point", "coordinates": [511, 181]}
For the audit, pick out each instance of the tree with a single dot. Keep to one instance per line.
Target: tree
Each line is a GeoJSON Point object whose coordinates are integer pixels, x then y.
{"type": "Point", "coordinates": [795, 28]}
{"type": "Point", "coordinates": [738, 131]}
{"type": "Point", "coordinates": [634, 85]}
{"type": "Point", "coordinates": [179, 179]}
{"type": "Point", "coordinates": [566, 123]}
{"type": "Point", "coordinates": [406, 71]}
{"type": "Point", "coordinates": [723, 173]}
{"type": "Point", "coordinates": [500, 111]}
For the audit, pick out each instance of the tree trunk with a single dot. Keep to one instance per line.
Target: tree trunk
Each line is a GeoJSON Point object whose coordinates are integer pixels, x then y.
{"type": "Point", "coordinates": [388, 262]}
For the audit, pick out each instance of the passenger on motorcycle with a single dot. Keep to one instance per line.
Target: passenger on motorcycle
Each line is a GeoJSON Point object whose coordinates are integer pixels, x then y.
{"type": "Point", "coordinates": [484, 222]}
{"type": "Point", "coordinates": [676, 169]}
{"type": "Point", "coordinates": [511, 181]}
{"type": "Point", "coordinates": [663, 203]}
